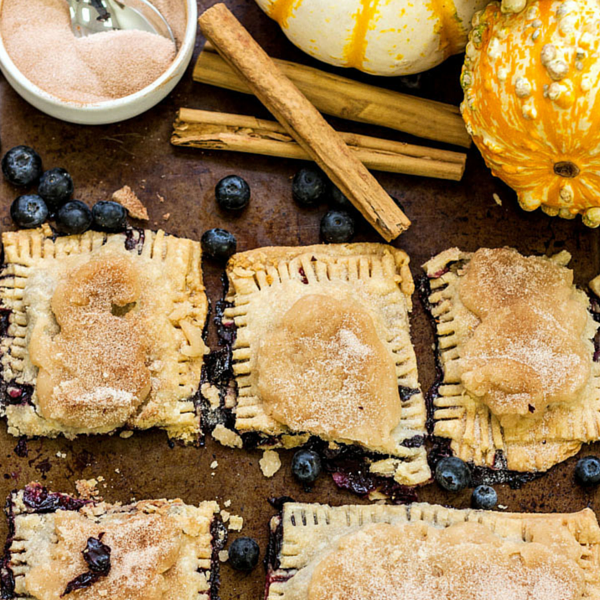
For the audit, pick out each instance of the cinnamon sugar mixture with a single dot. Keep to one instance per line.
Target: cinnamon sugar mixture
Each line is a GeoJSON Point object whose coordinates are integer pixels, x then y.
{"type": "Point", "coordinates": [37, 36]}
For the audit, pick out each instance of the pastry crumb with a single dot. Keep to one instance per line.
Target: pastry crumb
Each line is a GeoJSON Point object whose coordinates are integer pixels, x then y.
{"type": "Point", "coordinates": [225, 514]}
{"type": "Point", "coordinates": [126, 198]}
{"type": "Point", "coordinates": [126, 434]}
{"type": "Point", "coordinates": [227, 437]}
{"type": "Point", "coordinates": [47, 230]}
{"type": "Point", "coordinates": [117, 471]}
{"type": "Point", "coordinates": [270, 463]}
{"type": "Point", "coordinates": [214, 464]}
{"type": "Point", "coordinates": [160, 198]}
{"type": "Point", "coordinates": [211, 393]}
{"type": "Point", "coordinates": [235, 523]}
{"type": "Point", "coordinates": [497, 199]}
{"type": "Point", "coordinates": [223, 555]}
{"type": "Point", "coordinates": [502, 507]}
{"type": "Point", "coordinates": [227, 503]}
{"type": "Point", "coordinates": [61, 455]}
{"type": "Point", "coordinates": [166, 216]}
{"type": "Point", "coordinates": [88, 488]}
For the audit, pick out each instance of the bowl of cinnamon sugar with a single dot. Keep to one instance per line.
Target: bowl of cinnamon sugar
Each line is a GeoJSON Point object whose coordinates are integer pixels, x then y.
{"type": "Point", "coordinates": [103, 78]}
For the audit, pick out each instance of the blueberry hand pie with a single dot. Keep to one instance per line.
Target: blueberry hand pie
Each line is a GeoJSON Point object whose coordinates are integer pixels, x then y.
{"type": "Point", "coordinates": [65, 547]}
{"type": "Point", "coordinates": [101, 332]}
{"type": "Point", "coordinates": [520, 386]}
{"type": "Point", "coordinates": [421, 551]}
{"type": "Point", "coordinates": [322, 349]}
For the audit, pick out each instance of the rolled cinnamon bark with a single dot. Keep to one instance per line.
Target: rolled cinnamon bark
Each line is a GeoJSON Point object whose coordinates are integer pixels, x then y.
{"type": "Point", "coordinates": [302, 121]}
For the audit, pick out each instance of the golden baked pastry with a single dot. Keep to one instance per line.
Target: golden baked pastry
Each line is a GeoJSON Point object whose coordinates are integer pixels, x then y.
{"type": "Point", "coordinates": [520, 385]}
{"type": "Point", "coordinates": [422, 551]}
{"type": "Point", "coordinates": [66, 547]}
{"type": "Point", "coordinates": [323, 349]}
{"type": "Point", "coordinates": [102, 332]}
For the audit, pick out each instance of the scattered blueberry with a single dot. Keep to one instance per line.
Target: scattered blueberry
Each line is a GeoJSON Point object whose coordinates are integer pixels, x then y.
{"type": "Point", "coordinates": [218, 244]}
{"type": "Point", "coordinates": [243, 554]}
{"type": "Point", "coordinates": [109, 216]}
{"type": "Point", "coordinates": [337, 227]}
{"type": "Point", "coordinates": [29, 211]}
{"type": "Point", "coordinates": [73, 217]}
{"type": "Point", "coordinates": [452, 474]}
{"type": "Point", "coordinates": [484, 497]}
{"type": "Point", "coordinates": [232, 193]}
{"type": "Point", "coordinates": [309, 187]}
{"type": "Point", "coordinates": [306, 466]}
{"type": "Point", "coordinates": [339, 199]}
{"type": "Point", "coordinates": [56, 188]}
{"type": "Point", "coordinates": [587, 471]}
{"type": "Point", "coordinates": [22, 166]}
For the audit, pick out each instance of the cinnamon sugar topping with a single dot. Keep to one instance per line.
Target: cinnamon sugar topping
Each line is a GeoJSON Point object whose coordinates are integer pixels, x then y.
{"type": "Point", "coordinates": [462, 562]}
{"type": "Point", "coordinates": [529, 350]}
{"type": "Point", "coordinates": [325, 370]}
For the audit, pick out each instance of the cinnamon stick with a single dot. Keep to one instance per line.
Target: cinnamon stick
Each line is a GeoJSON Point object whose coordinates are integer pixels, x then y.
{"type": "Point", "coordinates": [239, 133]}
{"type": "Point", "coordinates": [342, 97]}
{"type": "Point", "coordinates": [302, 121]}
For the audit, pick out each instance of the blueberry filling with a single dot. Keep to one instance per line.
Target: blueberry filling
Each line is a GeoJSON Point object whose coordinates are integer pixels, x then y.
{"type": "Point", "coordinates": [406, 393]}
{"type": "Point", "coordinates": [97, 557]}
{"type": "Point", "coordinates": [303, 276]}
{"type": "Point", "coordinates": [134, 239]}
{"type": "Point", "coordinates": [40, 500]}
{"type": "Point", "coordinates": [218, 533]}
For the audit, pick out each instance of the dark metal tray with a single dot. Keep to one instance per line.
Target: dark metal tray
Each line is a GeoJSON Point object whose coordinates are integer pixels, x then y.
{"type": "Point", "coordinates": [138, 153]}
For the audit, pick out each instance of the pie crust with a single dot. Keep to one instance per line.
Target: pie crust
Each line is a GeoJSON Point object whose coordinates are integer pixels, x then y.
{"type": "Point", "coordinates": [101, 332]}
{"type": "Point", "coordinates": [423, 551]}
{"type": "Point", "coordinates": [520, 386]}
{"type": "Point", "coordinates": [323, 349]}
{"type": "Point", "coordinates": [159, 549]}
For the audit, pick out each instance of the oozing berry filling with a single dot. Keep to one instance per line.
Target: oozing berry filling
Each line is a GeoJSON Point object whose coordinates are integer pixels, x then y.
{"type": "Point", "coordinates": [40, 500]}
{"type": "Point", "coordinates": [97, 556]}
{"type": "Point", "coordinates": [218, 533]}
{"type": "Point", "coordinates": [134, 239]}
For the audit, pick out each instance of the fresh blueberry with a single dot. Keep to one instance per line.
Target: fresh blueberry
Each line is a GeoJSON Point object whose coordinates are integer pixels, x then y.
{"type": "Point", "coordinates": [340, 200]}
{"type": "Point", "coordinates": [29, 211]}
{"type": "Point", "coordinates": [74, 217]}
{"type": "Point", "coordinates": [22, 166]}
{"type": "Point", "coordinates": [232, 193]}
{"type": "Point", "coordinates": [306, 466]}
{"type": "Point", "coordinates": [587, 470]}
{"type": "Point", "coordinates": [337, 227]}
{"type": "Point", "coordinates": [56, 188]}
{"type": "Point", "coordinates": [452, 474]}
{"type": "Point", "coordinates": [218, 244]}
{"type": "Point", "coordinates": [109, 216]}
{"type": "Point", "coordinates": [484, 497]}
{"type": "Point", "coordinates": [309, 187]}
{"type": "Point", "coordinates": [243, 554]}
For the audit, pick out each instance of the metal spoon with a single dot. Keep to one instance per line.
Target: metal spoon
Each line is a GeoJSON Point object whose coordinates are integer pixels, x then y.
{"type": "Point", "coordinates": [96, 16]}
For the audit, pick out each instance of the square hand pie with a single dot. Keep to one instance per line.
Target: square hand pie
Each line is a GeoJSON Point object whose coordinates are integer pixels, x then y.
{"type": "Point", "coordinates": [101, 332]}
{"type": "Point", "coordinates": [60, 546]}
{"type": "Point", "coordinates": [421, 552]}
{"type": "Point", "coordinates": [521, 384]}
{"type": "Point", "coordinates": [323, 349]}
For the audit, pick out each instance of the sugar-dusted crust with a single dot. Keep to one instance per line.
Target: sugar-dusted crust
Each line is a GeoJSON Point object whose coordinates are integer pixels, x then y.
{"type": "Point", "coordinates": [519, 442]}
{"type": "Point", "coordinates": [52, 294]}
{"type": "Point", "coordinates": [374, 279]}
{"type": "Point", "coordinates": [307, 534]}
{"type": "Point", "coordinates": [168, 546]}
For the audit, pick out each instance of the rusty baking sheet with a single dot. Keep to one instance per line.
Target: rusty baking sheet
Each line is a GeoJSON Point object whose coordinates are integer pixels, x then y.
{"type": "Point", "coordinates": [138, 153]}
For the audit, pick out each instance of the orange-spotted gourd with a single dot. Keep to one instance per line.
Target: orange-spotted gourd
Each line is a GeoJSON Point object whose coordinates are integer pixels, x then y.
{"type": "Point", "coordinates": [382, 37]}
{"type": "Point", "coordinates": [532, 99]}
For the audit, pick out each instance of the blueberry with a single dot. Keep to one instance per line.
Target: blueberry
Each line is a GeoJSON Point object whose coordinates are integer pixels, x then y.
{"type": "Point", "coordinates": [309, 187]}
{"type": "Point", "coordinates": [484, 497]}
{"type": "Point", "coordinates": [306, 466]}
{"type": "Point", "coordinates": [232, 193]}
{"type": "Point", "coordinates": [56, 188]}
{"type": "Point", "coordinates": [97, 555]}
{"type": "Point", "coordinates": [218, 244]}
{"type": "Point", "coordinates": [587, 470]}
{"type": "Point", "coordinates": [452, 474]}
{"type": "Point", "coordinates": [337, 227]}
{"type": "Point", "coordinates": [109, 216]}
{"type": "Point", "coordinates": [340, 200]}
{"type": "Point", "coordinates": [73, 217]}
{"type": "Point", "coordinates": [243, 554]}
{"type": "Point", "coordinates": [29, 211]}
{"type": "Point", "coordinates": [22, 166]}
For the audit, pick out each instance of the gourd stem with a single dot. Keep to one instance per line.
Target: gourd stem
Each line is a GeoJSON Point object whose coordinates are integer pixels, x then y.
{"type": "Point", "coordinates": [566, 169]}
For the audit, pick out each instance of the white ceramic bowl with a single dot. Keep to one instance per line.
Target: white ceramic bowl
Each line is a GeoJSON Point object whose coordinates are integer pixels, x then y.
{"type": "Point", "coordinates": [113, 111]}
